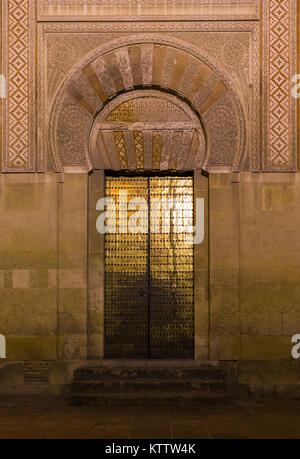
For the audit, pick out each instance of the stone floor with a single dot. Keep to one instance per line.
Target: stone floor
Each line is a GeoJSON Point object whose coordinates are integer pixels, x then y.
{"type": "Point", "coordinates": [49, 417]}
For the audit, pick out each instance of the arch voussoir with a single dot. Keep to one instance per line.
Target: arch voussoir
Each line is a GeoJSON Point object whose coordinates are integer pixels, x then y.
{"type": "Point", "coordinates": [159, 66]}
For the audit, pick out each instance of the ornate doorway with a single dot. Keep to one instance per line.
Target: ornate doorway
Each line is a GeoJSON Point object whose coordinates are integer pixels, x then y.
{"type": "Point", "coordinates": [149, 270]}
{"type": "Point", "coordinates": [143, 134]}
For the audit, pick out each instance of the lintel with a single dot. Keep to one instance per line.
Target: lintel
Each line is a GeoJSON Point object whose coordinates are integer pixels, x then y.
{"type": "Point", "coordinates": [143, 10]}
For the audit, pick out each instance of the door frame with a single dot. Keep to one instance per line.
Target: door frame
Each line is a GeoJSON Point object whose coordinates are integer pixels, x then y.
{"type": "Point", "coordinates": [96, 271]}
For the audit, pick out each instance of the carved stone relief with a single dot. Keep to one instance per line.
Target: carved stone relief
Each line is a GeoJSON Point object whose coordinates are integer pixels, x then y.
{"type": "Point", "coordinates": [280, 64]}
{"type": "Point", "coordinates": [229, 37]}
{"type": "Point", "coordinates": [147, 130]}
{"type": "Point", "coordinates": [170, 65]}
{"type": "Point", "coordinates": [62, 10]}
{"type": "Point", "coordinates": [18, 67]}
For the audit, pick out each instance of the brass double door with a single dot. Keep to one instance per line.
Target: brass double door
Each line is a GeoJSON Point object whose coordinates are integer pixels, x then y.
{"type": "Point", "coordinates": [149, 276]}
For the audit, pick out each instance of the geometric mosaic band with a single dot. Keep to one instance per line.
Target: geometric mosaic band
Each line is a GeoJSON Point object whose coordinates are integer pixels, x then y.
{"type": "Point", "coordinates": [280, 43]}
{"type": "Point", "coordinates": [18, 68]}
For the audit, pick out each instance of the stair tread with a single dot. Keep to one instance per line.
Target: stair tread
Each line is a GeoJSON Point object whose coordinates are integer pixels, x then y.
{"type": "Point", "coordinates": [138, 384]}
{"type": "Point", "coordinates": [164, 373]}
{"type": "Point", "coordinates": [190, 394]}
{"type": "Point", "coordinates": [147, 380]}
{"type": "Point", "coordinates": [148, 367]}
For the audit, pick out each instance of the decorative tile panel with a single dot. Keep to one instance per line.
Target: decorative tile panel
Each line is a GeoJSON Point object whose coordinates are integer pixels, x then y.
{"type": "Point", "coordinates": [279, 36]}
{"type": "Point", "coordinates": [18, 68]}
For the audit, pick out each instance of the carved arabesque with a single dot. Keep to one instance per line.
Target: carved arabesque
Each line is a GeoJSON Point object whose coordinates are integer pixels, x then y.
{"type": "Point", "coordinates": [145, 62]}
{"type": "Point", "coordinates": [147, 129]}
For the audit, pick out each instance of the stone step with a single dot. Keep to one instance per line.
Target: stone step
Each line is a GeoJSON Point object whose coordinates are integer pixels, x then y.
{"type": "Point", "coordinates": [147, 385]}
{"type": "Point", "coordinates": [144, 398]}
{"type": "Point", "coordinates": [95, 373]}
{"type": "Point", "coordinates": [140, 382]}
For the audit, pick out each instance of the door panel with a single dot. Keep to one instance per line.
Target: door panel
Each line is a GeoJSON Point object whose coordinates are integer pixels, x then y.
{"type": "Point", "coordinates": [126, 278]}
{"type": "Point", "coordinates": [149, 287]}
{"type": "Point", "coordinates": [171, 269]}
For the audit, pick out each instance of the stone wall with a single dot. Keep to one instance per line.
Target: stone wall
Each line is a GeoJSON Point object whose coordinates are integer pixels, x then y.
{"type": "Point", "coordinates": [28, 272]}
{"type": "Point", "coordinates": [247, 272]}
{"type": "Point", "coordinates": [72, 267]}
{"type": "Point", "coordinates": [269, 279]}
{"type": "Point", "coordinates": [51, 306]}
{"type": "Point", "coordinates": [28, 265]}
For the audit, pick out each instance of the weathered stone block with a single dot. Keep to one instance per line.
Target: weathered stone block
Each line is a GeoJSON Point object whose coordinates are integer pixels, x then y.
{"type": "Point", "coordinates": [21, 278]}
{"type": "Point", "coordinates": [11, 374]}
{"type": "Point", "coordinates": [224, 347]}
{"type": "Point", "coordinates": [265, 347]}
{"type": "Point", "coordinates": [31, 348]}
